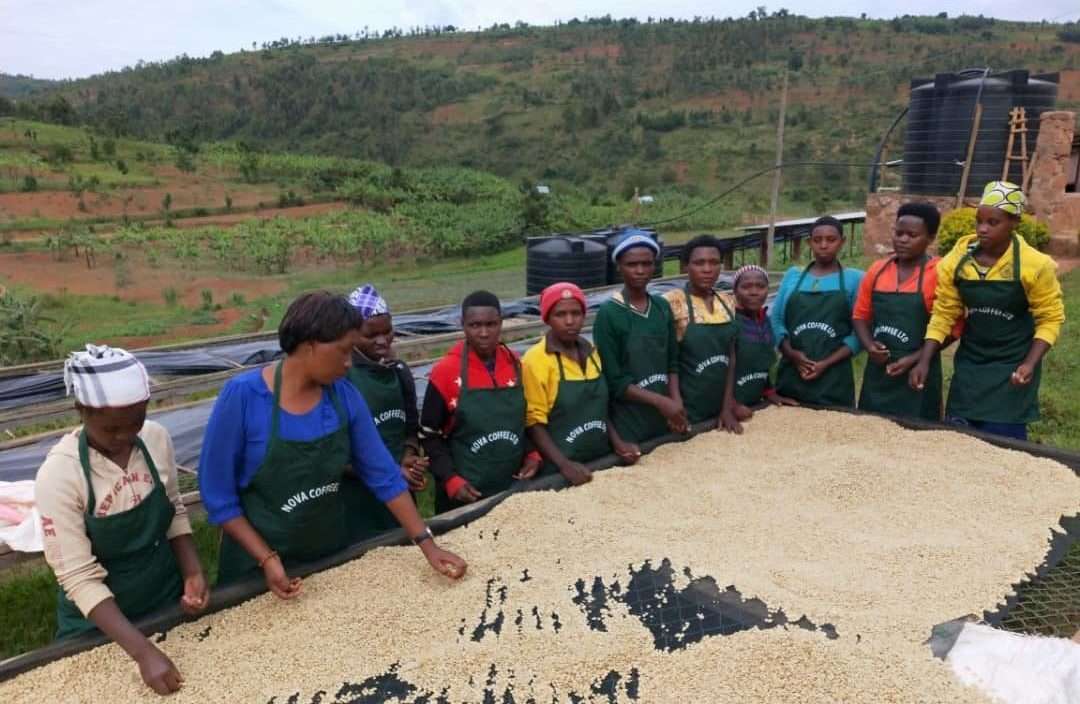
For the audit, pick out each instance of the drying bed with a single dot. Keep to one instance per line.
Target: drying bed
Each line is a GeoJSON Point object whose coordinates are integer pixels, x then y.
{"type": "Point", "coordinates": [723, 568]}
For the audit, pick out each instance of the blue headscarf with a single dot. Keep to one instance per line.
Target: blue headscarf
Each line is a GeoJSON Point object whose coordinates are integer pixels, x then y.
{"type": "Point", "coordinates": [634, 238]}
{"type": "Point", "coordinates": [368, 303]}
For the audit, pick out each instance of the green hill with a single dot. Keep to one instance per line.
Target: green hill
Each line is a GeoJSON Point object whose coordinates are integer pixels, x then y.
{"type": "Point", "coordinates": [605, 105]}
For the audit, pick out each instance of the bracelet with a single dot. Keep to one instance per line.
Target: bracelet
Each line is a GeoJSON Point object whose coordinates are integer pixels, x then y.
{"type": "Point", "coordinates": [271, 555]}
{"type": "Point", "coordinates": [426, 535]}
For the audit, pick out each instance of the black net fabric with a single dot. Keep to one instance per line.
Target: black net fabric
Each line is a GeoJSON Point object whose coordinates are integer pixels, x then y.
{"type": "Point", "coordinates": [1050, 604]}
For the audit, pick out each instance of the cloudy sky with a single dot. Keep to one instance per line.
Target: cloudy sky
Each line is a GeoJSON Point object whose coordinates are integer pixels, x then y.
{"type": "Point", "coordinates": [74, 38]}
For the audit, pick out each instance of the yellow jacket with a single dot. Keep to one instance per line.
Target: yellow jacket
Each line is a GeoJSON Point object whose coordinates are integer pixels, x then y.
{"type": "Point", "coordinates": [1038, 274]}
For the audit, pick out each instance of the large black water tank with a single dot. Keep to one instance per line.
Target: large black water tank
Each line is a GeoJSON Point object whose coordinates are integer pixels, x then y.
{"type": "Point", "coordinates": [549, 260]}
{"type": "Point", "coordinates": [940, 116]}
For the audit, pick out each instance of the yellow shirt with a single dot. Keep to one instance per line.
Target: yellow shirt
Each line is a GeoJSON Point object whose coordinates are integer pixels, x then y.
{"type": "Point", "coordinates": [676, 298]}
{"type": "Point", "coordinates": [1038, 274]}
{"type": "Point", "coordinates": [540, 377]}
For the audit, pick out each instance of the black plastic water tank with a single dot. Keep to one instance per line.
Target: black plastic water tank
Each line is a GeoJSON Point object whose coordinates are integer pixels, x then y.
{"type": "Point", "coordinates": [940, 118]}
{"type": "Point", "coordinates": [549, 260]}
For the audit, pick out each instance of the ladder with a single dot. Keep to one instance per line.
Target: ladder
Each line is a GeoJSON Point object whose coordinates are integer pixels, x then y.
{"type": "Point", "coordinates": [1017, 126]}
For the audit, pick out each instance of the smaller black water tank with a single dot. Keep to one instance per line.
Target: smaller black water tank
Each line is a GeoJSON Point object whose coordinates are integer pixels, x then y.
{"type": "Point", "coordinates": [549, 260]}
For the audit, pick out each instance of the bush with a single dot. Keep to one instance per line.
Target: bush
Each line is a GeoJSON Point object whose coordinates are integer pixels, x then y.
{"type": "Point", "coordinates": [29, 184]}
{"type": "Point", "coordinates": [961, 222]}
{"type": "Point", "coordinates": [169, 295]}
{"type": "Point", "coordinates": [207, 297]}
{"type": "Point", "coordinates": [24, 336]}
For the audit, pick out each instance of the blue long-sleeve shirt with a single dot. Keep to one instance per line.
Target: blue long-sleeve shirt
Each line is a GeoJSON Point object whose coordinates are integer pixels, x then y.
{"type": "Point", "coordinates": [239, 428]}
{"type": "Point", "coordinates": [829, 282]}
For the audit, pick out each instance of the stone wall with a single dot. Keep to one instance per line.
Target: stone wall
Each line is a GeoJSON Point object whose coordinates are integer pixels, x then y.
{"type": "Point", "coordinates": [1046, 195]}
{"type": "Point", "coordinates": [881, 216]}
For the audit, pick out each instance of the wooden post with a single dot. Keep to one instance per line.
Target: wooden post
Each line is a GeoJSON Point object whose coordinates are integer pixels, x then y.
{"type": "Point", "coordinates": [1023, 147]}
{"type": "Point", "coordinates": [767, 258]}
{"type": "Point", "coordinates": [1009, 146]}
{"type": "Point", "coordinates": [1029, 171]}
{"type": "Point", "coordinates": [970, 152]}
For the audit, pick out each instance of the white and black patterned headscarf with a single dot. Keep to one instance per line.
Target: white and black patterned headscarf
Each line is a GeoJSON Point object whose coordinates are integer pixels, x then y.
{"type": "Point", "coordinates": [106, 377]}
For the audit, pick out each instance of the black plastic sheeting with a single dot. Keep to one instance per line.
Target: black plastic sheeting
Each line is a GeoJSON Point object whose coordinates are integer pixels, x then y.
{"type": "Point", "coordinates": [31, 389]}
{"type": "Point", "coordinates": [186, 426]}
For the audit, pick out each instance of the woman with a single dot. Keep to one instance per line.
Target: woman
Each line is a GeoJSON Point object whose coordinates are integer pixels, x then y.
{"type": "Point", "coordinates": [706, 332]}
{"type": "Point", "coordinates": [890, 318]}
{"type": "Point", "coordinates": [1013, 304]}
{"type": "Point", "coordinates": [635, 334]}
{"type": "Point", "coordinates": [390, 393]}
{"type": "Point", "coordinates": [277, 445]}
{"type": "Point", "coordinates": [811, 319]}
{"type": "Point", "coordinates": [566, 397]}
{"type": "Point", "coordinates": [116, 532]}
{"type": "Point", "coordinates": [755, 347]}
{"type": "Point", "coordinates": [472, 423]}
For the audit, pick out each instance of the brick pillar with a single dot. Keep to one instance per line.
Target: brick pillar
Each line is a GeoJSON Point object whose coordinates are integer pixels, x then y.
{"type": "Point", "coordinates": [1046, 194]}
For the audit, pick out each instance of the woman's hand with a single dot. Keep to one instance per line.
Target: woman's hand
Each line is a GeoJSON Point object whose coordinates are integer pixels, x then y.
{"type": "Point", "coordinates": [467, 494]}
{"type": "Point", "coordinates": [628, 452]}
{"type": "Point", "coordinates": [413, 469]}
{"type": "Point", "coordinates": [813, 370]}
{"type": "Point", "coordinates": [576, 473]}
{"type": "Point", "coordinates": [778, 400]}
{"type": "Point", "coordinates": [529, 468]}
{"type": "Point", "coordinates": [278, 581]}
{"type": "Point", "coordinates": [730, 422]}
{"type": "Point", "coordinates": [917, 375]}
{"type": "Point", "coordinates": [196, 594]}
{"type": "Point", "coordinates": [1023, 374]}
{"type": "Point", "coordinates": [803, 363]}
{"type": "Point", "coordinates": [675, 415]}
{"type": "Point", "coordinates": [157, 670]}
{"type": "Point", "coordinates": [879, 353]}
{"type": "Point", "coordinates": [443, 561]}
{"type": "Point", "coordinates": [903, 365]}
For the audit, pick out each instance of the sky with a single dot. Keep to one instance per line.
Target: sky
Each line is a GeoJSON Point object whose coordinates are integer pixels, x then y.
{"type": "Point", "coordinates": [76, 38]}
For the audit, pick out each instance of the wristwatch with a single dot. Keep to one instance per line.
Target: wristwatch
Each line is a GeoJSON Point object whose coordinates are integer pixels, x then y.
{"type": "Point", "coordinates": [426, 535]}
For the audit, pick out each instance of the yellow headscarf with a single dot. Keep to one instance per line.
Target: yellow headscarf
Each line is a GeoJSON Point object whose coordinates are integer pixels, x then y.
{"type": "Point", "coordinates": [1004, 196]}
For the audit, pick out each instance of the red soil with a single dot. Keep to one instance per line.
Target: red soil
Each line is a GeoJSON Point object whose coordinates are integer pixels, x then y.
{"type": "Point", "coordinates": [41, 272]}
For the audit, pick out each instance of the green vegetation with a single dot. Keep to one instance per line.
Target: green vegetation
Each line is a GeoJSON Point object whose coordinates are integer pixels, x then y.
{"type": "Point", "coordinates": [1060, 396]}
{"type": "Point", "coordinates": [603, 105]}
{"type": "Point", "coordinates": [24, 333]}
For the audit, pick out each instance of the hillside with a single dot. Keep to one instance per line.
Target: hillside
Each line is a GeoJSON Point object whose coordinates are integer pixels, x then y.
{"type": "Point", "coordinates": [606, 105]}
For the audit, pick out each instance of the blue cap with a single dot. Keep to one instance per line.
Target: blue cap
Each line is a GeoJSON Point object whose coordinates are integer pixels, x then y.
{"type": "Point", "coordinates": [631, 239]}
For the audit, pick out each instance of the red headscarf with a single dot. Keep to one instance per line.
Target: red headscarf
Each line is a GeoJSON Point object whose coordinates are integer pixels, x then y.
{"type": "Point", "coordinates": [560, 292]}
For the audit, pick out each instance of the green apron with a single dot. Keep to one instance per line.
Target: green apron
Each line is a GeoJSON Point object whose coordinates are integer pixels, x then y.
{"type": "Point", "coordinates": [704, 357]}
{"type": "Point", "coordinates": [817, 323]}
{"type": "Point", "coordinates": [132, 546]}
{"type": "Point", "coordinates": [997, 336]}
{"type": "Point", "coordinates": [754, 358]}
{"type": "Point", "coordinates": [899, 322]}
{"type": "Point", "coordinates": [293, 500]}
{"type": "Point", "coordinates": [487, 442]}
{"type": "Point", "coordinates": [365, 515]}
{"type": "Point", "coordinates": [645, 358]}
{"type": "Point", "coordinates": [577, 422]}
